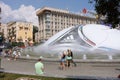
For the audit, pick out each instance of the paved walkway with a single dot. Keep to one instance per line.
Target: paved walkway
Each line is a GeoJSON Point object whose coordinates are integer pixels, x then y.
{"type": "Point", "coordinates": [84, 70]}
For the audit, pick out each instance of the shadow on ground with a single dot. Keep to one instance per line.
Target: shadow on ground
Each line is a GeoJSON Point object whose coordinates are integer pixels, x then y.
{"type": "Point", "coordinates": [90, 78]}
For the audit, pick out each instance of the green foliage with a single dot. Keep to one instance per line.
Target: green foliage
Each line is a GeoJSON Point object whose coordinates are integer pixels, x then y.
{"type": "Point", "coordinates": [14, 44]}
{"type": "Point", "coordinates": [20, 44]}
{"type": "Point", "coordinates": [10, 76]}
{"type": "Point", "coordinates": [36, 43]}
{"type": "Point", "coordinates": [1, 37]}
{"type": "Point", "coordinates": [35, 30]}
{"type": "Point", "coordinates": [110, 9]}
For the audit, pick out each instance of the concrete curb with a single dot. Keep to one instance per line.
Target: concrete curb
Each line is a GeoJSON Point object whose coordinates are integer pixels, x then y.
{"type": "Point", "coordinates": [75, 60]}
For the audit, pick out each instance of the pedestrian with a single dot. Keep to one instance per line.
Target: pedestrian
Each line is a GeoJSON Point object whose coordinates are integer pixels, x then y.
{"type": "Point", "coordinates": [0, 51]}
{"type": "Point", "coordinates": [10, 54]}
{"type": "Point", "coordinates": [118, 76]}
{"type": "Point", "coordinates": [63, 60]}
{"type": "Point", "coordinates": [70, 58]}
{"type": "Point", "coordinates": [6, 54]}
{"type": "Point", "coordinates": [14, 55]}
{"type": "Point", "coordinates": [39, 66]}
{"type": "Point", "coordinates": [17, 55]}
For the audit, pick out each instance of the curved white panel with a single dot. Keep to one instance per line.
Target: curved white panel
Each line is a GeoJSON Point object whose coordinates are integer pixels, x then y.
{"type": "Point", "coordinates": [91, 38]}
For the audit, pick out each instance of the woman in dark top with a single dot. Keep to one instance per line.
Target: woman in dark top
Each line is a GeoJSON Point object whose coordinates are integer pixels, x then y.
{"type": "Point", "coordinates": [62, 61]}
{"type": "Point", "coordinates": [70, 58]}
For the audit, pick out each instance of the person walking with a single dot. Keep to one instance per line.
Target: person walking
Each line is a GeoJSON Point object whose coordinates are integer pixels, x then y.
{"type": "Point", "coordinates": [63, 60]}
{"type": "Point", "coordinates": [0, 51]}
{"type": "Point", "coordinates": [39, 66]}
{"type": "Point", "coordinates": [70, 58]}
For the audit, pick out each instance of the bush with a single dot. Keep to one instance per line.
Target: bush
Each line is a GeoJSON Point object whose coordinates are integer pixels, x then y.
{"type": "Point", "coordinates": [19, 44]}
{"type": "Point", "coordinates": [14, 44]}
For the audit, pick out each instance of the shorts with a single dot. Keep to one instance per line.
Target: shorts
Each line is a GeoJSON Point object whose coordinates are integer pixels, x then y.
{"type": "Point", "coordinates": [62, 60]}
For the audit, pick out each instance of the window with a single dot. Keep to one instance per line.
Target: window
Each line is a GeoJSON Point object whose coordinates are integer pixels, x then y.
{"type": "Point", "coordinates": [26, 33]}
{"type": "Point", "coordinates": [20, 28]}
{"type": "Point", "coordinates": [47, 30]}
{"type": "Point", "coordinates": [26, 28]}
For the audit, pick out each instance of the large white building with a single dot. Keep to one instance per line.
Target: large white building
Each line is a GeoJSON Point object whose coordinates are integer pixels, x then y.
{"type": "Point", "coordinates": [53, 20]}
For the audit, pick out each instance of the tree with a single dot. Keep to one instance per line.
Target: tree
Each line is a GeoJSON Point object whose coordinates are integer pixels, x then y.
{"type": "Point", "coordinates": [35, 30]}
{"type": "Point", "coordinates": [110, 9]}
{"type": "Point", "coordinates": [1, 37]}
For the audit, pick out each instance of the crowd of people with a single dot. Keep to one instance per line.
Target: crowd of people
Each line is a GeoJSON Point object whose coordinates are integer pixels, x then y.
{"type": "Point", "coordinates": [11, 54]}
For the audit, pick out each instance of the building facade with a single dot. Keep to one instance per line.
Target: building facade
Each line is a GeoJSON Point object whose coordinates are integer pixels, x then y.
{"type": "Point", "coordinates": [20, 31]}
{"type": "Point", "coordinates": [53, 20]}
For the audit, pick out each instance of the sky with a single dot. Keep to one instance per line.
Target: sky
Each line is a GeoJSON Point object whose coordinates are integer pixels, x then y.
{"type": "Point", "coordinates": [25, 10]}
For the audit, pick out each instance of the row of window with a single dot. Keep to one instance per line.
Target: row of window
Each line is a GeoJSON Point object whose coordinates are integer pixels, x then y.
{"type": "Point", "coordinates": [57, 20]}
{"type": "Point", "coordinates": [25, 28]}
